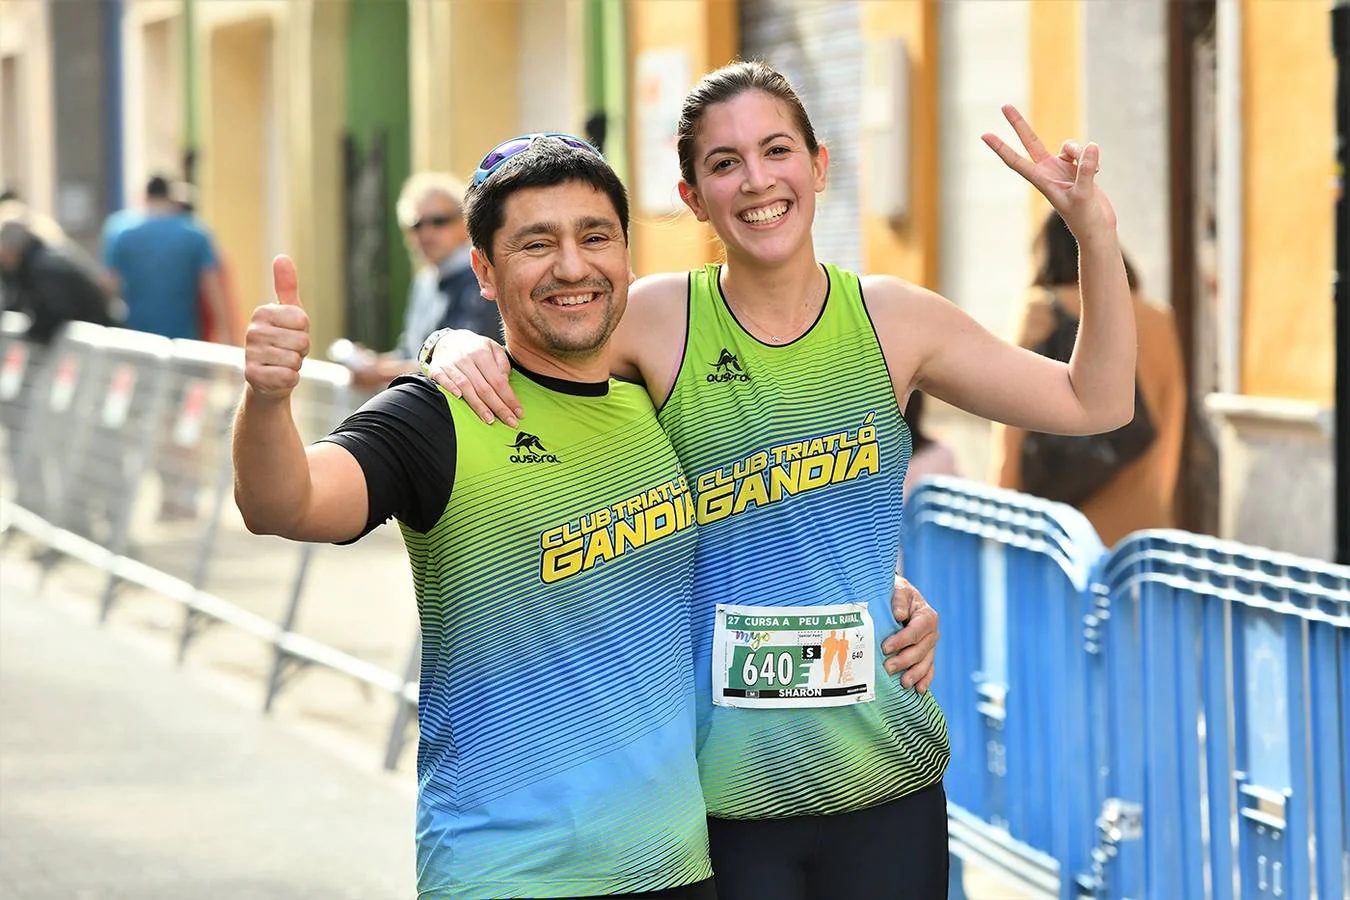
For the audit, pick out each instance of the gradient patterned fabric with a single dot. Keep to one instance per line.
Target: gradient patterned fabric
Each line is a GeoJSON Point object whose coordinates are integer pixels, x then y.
{"type": "Point", "coordinates": [824, 529]}
{"type": "Point", "coordinates": [557, 708]}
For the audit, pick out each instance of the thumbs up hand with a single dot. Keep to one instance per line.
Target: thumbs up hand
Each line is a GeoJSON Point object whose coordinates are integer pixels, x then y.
{"type": "Point", "coordinates": [278, 337]}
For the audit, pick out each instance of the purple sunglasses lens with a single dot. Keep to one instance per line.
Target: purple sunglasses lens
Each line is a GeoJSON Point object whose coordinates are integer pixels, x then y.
{"type": "Point", "coordinates": [504, 151]}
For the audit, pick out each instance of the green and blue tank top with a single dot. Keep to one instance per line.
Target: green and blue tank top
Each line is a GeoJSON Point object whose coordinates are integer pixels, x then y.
{"type": "Point", "coordinates": [557, 707]}
{"type": "Point", "coordinates": [796, 454]}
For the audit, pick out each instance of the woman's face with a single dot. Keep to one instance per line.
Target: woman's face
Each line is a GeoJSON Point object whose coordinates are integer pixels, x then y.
{"type": "Point", "coordinates": [756, 180]}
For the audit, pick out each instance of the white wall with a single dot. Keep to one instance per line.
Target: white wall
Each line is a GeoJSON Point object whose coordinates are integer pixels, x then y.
{"type": "Point", "coordinates": [984, 234]}
{"type": "Point", "coordinates": [984, 237]}
{"type": "Point", "coordinates": [1125, 62]}
{"type": "Point", "coordinates": [552, 67]}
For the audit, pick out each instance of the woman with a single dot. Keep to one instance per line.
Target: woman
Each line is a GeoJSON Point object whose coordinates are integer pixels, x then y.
{"type": "Point", "coordinates": [784, 402]}
{"type": "Point", "coordinates": [1139, 494]}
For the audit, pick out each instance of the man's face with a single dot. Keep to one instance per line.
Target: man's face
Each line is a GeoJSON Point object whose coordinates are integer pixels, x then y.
{"type": "Point", "coordinates": [437, 229]}
{"type": "Point", "coordinates": [560, 271]}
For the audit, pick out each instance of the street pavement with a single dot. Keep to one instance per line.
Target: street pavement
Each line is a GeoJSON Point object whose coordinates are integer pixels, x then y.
{"type": "Point", "coordinates": [123, 776]}
{"type": "Point", "coordinates": [126, 775]}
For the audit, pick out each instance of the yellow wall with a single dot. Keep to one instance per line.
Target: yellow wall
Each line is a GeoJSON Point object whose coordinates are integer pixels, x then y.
{"type": "Point", "coordinates": [318, 119]}
{"type": "Point", "coordinates": [428, 82]}
{"type": "Point", "coordinates": [707, 30]}
{"type": "Point", "coordinates": [909, 248]}
{"type": "Point", "coordinates": [1056, 60]}
{"type": "Point", "coordinates": [1288, 133]}
{"type": "Point", "coordinates": [274, 65]}
{"type": "Point", "coordinates": [463, 81]}
{"type": "Point", "coordinates": [24, 40]}
{"type": "Point", "coordinates": [483, 87]}
{"type": "Point", "coordinates": [233, 162]}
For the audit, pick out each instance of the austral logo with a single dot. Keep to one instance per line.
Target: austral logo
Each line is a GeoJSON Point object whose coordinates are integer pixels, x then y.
{"type": "Point", "coordinates": [529, 449]}
{"type": "Point", "coordinates": [728, 368]}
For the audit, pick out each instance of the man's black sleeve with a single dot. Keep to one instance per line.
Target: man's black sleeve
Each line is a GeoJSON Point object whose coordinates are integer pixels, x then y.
{"type": "Point", "coordinates": [404, 440]}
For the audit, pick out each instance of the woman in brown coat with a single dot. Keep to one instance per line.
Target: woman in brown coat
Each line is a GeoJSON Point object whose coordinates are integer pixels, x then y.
{"type": "Point", "coordinates": [1140, 494]}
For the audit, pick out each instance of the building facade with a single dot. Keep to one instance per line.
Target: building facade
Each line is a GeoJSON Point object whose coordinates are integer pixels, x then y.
{"type": "Point", "coordinates": [299, 119]}
{"type": "Point", "coordinates": [1217, 126]}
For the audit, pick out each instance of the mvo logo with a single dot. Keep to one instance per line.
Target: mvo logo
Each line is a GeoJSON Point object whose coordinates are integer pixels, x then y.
{"type": "Point", "coordinates": [529, 449]}
{"type": "Point", "coordinates": [728, 368]}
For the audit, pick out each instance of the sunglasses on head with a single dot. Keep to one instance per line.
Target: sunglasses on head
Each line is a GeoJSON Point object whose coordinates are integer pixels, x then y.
{"type": "Point", "coordinates": [507, 149]}
{"type": "Point", "coordinates": [438, 221]}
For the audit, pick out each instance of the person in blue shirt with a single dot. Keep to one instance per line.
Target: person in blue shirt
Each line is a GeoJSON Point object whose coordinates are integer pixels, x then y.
{"type": "Point", "coordinates": [159, 261]}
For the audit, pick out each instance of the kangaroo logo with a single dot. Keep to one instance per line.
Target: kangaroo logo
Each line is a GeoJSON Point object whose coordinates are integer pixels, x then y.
{"type": "Point", "coordinates": [529, 449]}
{"type": "Point", "coordinates": [728, 368]}
{"type": "Point", "coordinates": [727, 359]}
{"type": "Point", "coordinates": [529, 443]}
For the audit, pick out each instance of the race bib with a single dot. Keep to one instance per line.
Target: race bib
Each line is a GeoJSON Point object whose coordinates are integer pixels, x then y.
{"type": "Point", "coordinates": [783, 657]}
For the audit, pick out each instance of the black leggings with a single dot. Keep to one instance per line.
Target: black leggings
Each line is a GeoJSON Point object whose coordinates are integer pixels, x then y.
{"type": "Point", "coordinates": [703, 890]}
{"type": "Point", "coordinates": [895, 851]}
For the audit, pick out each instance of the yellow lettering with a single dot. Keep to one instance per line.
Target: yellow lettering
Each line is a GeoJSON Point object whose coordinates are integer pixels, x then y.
{"type": "Point", "coordinates": [866, 459]}
{"type": "Point", "coordinates": [783, 481]}
{"type": "Point", "coordinates": [709, 480]}
{"type": "Point", "coordinates": [817, 470]}
{"type": "Point", "coordinates": [600, 549]}
{"type": "Point", "coordinates": [660, 520]}
{"type": "Point", "coordinates": [752, 490]}
{"type": "Point", "coordinates": [714, 504]}
{"type": "Point", "coordinates": [561, 562]}
{"type": "Point", "coordinates": [629, 533]}
{"type": "Point", "coordinates": [840, 465]}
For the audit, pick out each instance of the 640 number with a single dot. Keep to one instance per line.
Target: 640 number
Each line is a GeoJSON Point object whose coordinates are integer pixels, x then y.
{"type": "Point", "coordinates": [772, 668]}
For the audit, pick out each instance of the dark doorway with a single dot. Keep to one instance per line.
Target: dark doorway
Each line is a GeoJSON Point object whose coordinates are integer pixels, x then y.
{"type": "Point", "coordinates": [1193, 189]}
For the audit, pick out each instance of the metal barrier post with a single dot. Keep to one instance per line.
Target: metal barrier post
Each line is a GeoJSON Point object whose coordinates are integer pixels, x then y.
{"type": "Point", "coordinates": [127, 431]}
{"type": "Point", "coordinates": [1012, 578]}
{"type": "Point", "coordinates": [407, 705]}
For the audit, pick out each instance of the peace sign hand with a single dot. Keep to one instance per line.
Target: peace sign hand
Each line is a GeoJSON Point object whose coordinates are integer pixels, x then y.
{"type": "Point", "coordinates": [1068, 180]}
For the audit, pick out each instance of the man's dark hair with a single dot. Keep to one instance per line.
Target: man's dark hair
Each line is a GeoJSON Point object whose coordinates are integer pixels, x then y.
{"type": "Point", "coordinates": [545, 163]}
{"type": "Point", "coordinates": [157, 187]}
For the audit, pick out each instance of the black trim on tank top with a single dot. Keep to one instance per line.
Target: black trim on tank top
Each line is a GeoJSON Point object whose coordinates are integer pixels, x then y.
{"type": "Point", "coordinates": [881, 348]}
{"type": "Point", "coordinates": [829, 289]}
{"type": "Point", "coordinates": [688, 336]}
{"type": "Point", "coordinates": [562, 385]}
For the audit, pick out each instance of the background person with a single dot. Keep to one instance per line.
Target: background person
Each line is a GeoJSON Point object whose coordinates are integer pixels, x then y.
{"type": "Point", "coordinates": [1138, 493]}
{"type": "Point", "coordinates": [444, 292]}
{"type": "Point", "coordinates": [159, 259]}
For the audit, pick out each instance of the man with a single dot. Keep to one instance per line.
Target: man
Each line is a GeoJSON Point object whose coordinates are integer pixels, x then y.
{"type": "Point", "coordinates": [215, 330]}
{"type": "Point", "coordinates": [159, 260]}
{"type": "Point", "coordinates": [51, 288]}
{"type": "Point", "coordinates": [46, 284]}
{"type": "Point", "coordinates": [445, 292]}
{"type": "Point", "coordinates": [556, 754]}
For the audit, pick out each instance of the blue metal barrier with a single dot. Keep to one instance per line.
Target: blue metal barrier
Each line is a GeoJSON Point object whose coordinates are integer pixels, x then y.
{"type": "Point", "coordinates": [1228, 719]}
{"type": "Point", "coordinates": [1011, 576]}
{"type": "Point", "coordinates": [1164, 721]}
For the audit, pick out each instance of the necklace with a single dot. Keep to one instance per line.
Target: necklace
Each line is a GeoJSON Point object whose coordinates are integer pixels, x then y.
{"type": "Point", "coordinates": [794, 328]}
